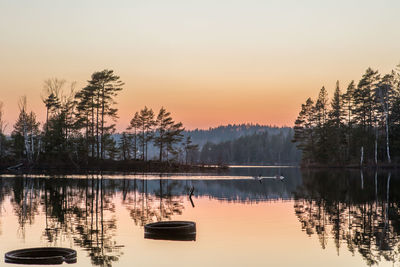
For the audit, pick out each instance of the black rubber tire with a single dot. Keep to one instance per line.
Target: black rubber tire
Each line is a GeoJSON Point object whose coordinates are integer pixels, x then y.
{"type": "Point", "coordinates": [171, 230]}
{"type": "Point", "coordinates": [41, 256]}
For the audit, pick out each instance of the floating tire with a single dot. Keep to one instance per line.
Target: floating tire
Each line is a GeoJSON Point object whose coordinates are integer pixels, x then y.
{"type": "Point", "coordinates": [41, 256]}
{"type": "Point", "coordinates": [171, 230]}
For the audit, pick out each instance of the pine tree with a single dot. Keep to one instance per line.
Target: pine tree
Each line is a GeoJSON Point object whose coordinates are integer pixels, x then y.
{"type": "Point", "coordinates": [106, 85]}
{"type": "Point", "coordinates": [348, 104]}
{"type": "Point", "coordinates": [134, 127]}
{"type": "Point", "coordinates": [164, 124]}
{"type": "Point", "coordinates": [124, 146]}
{"type": "Point", "coordinates": [85, 116]}
{"type": "Point", "coordinates": [336, 112]}
{"type": "Point", "coordinates": [189, 148]}
{"type": "Point", "coordinates": [335, 134]}
{"type": "Point", "coordinates": [146, 122]}
{"type": "Point", "coordinates": [304, 130]}
{"type": "Point", "coordinates": [364, 100]}
{"type": "Point", "coordinates": [174, 136]}
{"type": "Point", "coordinates": [97, 100]}
{"type": "Point", "coordinates": [321, 131]}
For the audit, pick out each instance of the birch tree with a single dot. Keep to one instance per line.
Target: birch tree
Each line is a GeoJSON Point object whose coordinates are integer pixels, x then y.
{"type": "Point", "coordinates": [384, 93]}
{"type": "Point", "coordinates": [26, 133]}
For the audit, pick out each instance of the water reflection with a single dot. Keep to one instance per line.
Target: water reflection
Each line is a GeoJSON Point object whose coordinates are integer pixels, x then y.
{"type": "Point", "coordinates": [358, 211]}
{"type": "Point", "coordinates": [80, 210]}
{"type": "Point", "coordinates": [155, 205]}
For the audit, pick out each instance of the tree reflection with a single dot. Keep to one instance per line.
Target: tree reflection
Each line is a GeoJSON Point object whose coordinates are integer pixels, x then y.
{"type": "Point", "coordinates": [25, 202]}
{"type": "Point", "coordinates": [358, 211]}
{"type": "Point", "coordinates": [83, 210]}
{"type": "Point", "coordinates": [4, 191]}
{"type": "Point", "coordinates": [158, 205]}
{"type": "Point", "coordinates": [361, 213]}
{"type": "Point", "coordinates": [78, 210]}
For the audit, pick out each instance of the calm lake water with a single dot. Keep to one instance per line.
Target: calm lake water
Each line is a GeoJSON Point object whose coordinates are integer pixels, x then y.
{"type": "Point", "coordinates": [324, 218]}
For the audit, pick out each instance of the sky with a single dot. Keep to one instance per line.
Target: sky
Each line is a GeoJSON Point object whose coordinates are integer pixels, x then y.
{"type": "Point", "coordinates": [209, 62]}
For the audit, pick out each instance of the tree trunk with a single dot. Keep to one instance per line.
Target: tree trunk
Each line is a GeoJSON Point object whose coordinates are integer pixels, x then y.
{"type": "Point", "coordinates": [97, 126]}
{"type": "Point", "coordinates": [146, 149]}
{"type": "Point", "coordinates": [387, 137]}
{"type": "Point", "coordinates": [144, 142]}
{"type": "Point", "coordinates": [376, 187]}
{"type": "Point", "coordinates": [39, 148]}
{"type": "Point", "coordinates": [135, 144]}
{"type": "Point", "coordinates": [47, 120]}
{"type": "Point", "coordinates": [32, 145]}
{"type": "Point", "coordinates": [92, 141]}
{"type": "Point", "coordinates": [362, 156]}
{"type": "Point", "coordinates": [349, 133]}
{"type": "Point", "coordinates": [87, 137]}
{"type": "Point", "coordinates": [161, 149]}
{"type": "Point", "coordinates": [376, 149]}
{"type": "Point", "coordinates": [102, 123]}
{"type": "Point", "coordinates": [387, 200]}
{"type": "Point", "coordinates": [27, 149]}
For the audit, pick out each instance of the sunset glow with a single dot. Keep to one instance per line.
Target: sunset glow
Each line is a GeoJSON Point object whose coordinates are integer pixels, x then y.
{"type": "Point", "coordinates": [208, 63]}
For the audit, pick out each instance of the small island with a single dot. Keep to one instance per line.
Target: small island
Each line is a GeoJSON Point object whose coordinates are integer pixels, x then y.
{"type": "Point", "coordinates": [79, 133]}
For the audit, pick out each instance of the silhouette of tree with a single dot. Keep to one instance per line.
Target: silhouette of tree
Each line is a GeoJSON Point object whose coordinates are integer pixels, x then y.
{"type": "Point", "coordinates": [346, 210]}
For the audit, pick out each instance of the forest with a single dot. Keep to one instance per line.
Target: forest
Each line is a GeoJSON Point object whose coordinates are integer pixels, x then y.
{"type": "Point", "coordinates": [79, 134]}
{"type": "Point", "coordinates": [357, 127]}
{"type": "Point", "coordinates": [79, 129]}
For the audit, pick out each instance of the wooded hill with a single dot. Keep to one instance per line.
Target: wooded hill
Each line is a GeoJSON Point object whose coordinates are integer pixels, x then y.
{"type": "Point", "coordinates": [247, 145]}
{"type": "Point", "coordinates": [238, 144]}
{"type": "Point", "coordinates": [230, 132]}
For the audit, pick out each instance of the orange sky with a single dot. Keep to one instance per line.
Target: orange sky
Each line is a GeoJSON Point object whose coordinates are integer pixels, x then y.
{"type": "Point", "coordinates": [208, 63]}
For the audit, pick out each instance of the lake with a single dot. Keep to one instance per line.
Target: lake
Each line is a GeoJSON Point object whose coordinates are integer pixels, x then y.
{"type": "Point", "coordinates": [311, 218]}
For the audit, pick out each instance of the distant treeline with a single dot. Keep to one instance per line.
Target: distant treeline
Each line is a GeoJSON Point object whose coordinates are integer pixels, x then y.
{"type": "Point", "coordinates": [266, 147]}
{"type": "Point", "coordinates": [358, 127]}
{"type": "Point", "coordinates": [231, 132]}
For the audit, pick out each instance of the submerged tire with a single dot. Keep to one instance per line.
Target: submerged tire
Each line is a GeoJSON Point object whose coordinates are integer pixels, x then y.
{"type": "Point", "coordinates": [171, 230]}
{"type": "Point", "coordinates": [41, 256]}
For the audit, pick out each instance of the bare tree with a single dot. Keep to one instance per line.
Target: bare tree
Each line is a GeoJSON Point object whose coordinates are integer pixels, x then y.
{"type": "Point", "coordinates": [52, 89]}
{"type": "Point", "coordinates": [2, 128]}
{"type": "Point", "coordinates": [22, 109]}
{"type": "Point", "coordinates": [27, 128]}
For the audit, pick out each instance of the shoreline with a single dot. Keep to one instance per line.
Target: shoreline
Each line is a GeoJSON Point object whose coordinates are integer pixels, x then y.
{"type": "Point", "coordinates": [107, 166]}
{"type": "Point", "coordinates": [393, 166]}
